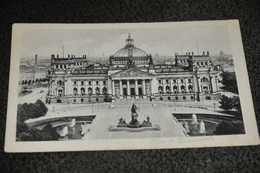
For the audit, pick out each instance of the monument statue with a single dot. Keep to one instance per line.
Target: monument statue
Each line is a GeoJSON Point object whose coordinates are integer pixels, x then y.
{"type": "Point", "coordinates": [134, 109]}
{"type": "Point", "coordinates": [134, 123]}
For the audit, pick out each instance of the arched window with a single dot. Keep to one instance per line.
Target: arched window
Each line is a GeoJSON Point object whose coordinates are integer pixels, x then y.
{"type": "Point", "coordinates": [89, 90]}
{"type": "Point", "coordinates": [167, 89]}
{"type": "Point", "coordinates": [75, 91]}
{"type": "Point", "coordinates": [97, 90]}
{"type": "Point", "coordinates": [160, 88]}
{"type": "Point", "coordinates": [82, 91]}
{"type": "Point", "coordinates": [190, 88]}
{"type": "Point", "coordinates": [104, 90]}
{"type": "Point", "coordinates": [183, 89]}
{"type": "Point", "coordinates": [161, 98]}
{"type": "Point", "coordinates": [175, 88]}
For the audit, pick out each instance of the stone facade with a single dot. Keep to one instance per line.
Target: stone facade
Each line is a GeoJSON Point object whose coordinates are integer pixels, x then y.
{"type": "Point", "coordinates": [131, 74]}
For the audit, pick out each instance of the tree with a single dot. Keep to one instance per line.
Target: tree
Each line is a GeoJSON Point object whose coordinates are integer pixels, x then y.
{"type": "Point", "coordinates": [229, 80]}
{"type": "Point", "coordinates": [41, 108]}
{"type": "Point", "coordinates": [228, 103]}
{"type": "Point", "coordinates": [225, 102]}
{"type": "Point", "coordinates": [48, 133]}
{"type": "Point", "coordinates": [32, 110]}
{"type": "Point", "coordinates": [229, 127]}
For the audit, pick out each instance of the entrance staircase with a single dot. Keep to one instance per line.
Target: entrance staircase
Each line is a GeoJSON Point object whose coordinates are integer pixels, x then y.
{"type": "Point", "coordinates": [131, 101]}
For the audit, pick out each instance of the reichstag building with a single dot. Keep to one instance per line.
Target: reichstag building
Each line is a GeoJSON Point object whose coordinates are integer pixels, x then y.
{"type": "Point", "coordinates": [131, 74]}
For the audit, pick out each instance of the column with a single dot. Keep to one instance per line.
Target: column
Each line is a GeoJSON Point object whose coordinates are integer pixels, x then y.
{"type": "Point", "coordinates": [211, 85]}
{"type": "Point", "coordinates": [153, 86]}
{"type": "Point", "coordinates": [136, 88]}
{"type": "Point", "coordinates": [199, 83]}
{"type": "Point", "coordinates": [100, 88]}
{"type": "Point", "coordinates": [163, 89]}
{"type": "Point", "coordinates": [54, 88]}
{"type": "Point", "coordinates": [121, 87]}
{"type": "Point", "coordinates": [128, 87]}
{"type": "Point", "coordinates": [216, 81]}
{"type": "Point", "coordinates": [186, 85]}
{"type": "Point", "coordinates": [86, 87]}
{"type": "Point", "coordinates": [78, 85]}
{"type": "Point", "coordinates": [171, 89]}
{"type": "Point", "coordinates": [178, 85]}
{"type": "Point", "coordinates": [143, 85]}
{"type": "Point", "coordinates": [113, 87]}
{"type": "Point", "coordinates": [69, 84]}
{"type": "Point", "coordinates": [195, 84]}
{"type": "Point", "coordinates": [93, 88]}
{"type": "Point", "coordinates": [109, 87]}
{"type": "Point", "coordinates": [65, 87]}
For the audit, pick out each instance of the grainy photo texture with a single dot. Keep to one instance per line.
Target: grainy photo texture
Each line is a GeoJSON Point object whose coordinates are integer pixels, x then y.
{"type": "Point", "coordinates": [128, 86]}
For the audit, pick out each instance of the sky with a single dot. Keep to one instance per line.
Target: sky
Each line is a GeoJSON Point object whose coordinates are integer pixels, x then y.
{"type": "Point", "coordinates": [165, 41]}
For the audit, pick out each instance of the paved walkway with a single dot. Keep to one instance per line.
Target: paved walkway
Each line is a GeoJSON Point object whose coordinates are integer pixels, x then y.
{"type": "Point", "coordinates": [107, 117]}
{"type": "Point", "coordinates": [160, 113]}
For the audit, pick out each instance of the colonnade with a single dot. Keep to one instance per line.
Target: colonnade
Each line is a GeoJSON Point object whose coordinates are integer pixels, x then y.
{"type": "Point", "coordinates": [131, 87]}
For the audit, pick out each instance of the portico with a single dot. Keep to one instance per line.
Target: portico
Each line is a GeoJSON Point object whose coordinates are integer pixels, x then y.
{"type": "Point", "coordinates": [131, 83]}
{"type": "Point", "coordinates": [131, 88]}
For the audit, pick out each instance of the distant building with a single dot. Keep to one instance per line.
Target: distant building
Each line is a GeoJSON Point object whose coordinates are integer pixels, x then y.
{"type": "Point", "coordinates": [229, 67]}
{"type": "Point", "coordinates": [132, 74]}
{"type": "Point", "coordinates": [31, 74]}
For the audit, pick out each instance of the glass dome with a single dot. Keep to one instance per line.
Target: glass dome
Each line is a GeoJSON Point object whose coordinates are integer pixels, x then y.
{"type": "Point", "coordinates": [136, 52]}
{"type": "Point", "coordinates": [130, 50]}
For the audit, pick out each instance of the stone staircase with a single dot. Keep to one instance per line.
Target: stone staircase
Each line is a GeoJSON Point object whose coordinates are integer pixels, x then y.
{"type": "Point", "coordinates": [131, 101]}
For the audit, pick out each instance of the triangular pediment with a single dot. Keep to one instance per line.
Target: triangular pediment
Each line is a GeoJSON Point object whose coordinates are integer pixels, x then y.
{"type": "Point", "coordinates": [132, 72]}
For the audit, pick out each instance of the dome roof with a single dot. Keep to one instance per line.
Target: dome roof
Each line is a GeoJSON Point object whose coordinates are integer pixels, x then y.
{"type": "Point", "coordinates": [130, 50]}
{"type": "Point", "coordinates": [136, 52]}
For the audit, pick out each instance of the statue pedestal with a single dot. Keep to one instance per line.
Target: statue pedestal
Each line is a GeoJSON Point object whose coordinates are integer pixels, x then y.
{"type": "Point", "coordinates": [134, 123]}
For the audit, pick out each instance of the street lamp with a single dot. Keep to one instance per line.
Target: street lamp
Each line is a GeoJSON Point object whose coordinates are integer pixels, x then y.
{"type": "Point", "coordinates": [174, 103]}
{"type": "Point", "coordinates": [90, 101]}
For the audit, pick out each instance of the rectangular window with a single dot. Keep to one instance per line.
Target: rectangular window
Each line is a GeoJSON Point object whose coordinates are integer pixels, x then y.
{"type": "Point", "coordinates": [96, 82]}
{"type": "Point", "coordinates": [89, 82]}
{"type": "Point", "coordinates": [82, 82]}
{"type": "Point", "coordinates": [75, 82]}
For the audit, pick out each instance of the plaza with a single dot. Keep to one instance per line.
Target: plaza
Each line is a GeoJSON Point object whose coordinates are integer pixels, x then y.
{"type": "Point", "coordinates": [107, 115]}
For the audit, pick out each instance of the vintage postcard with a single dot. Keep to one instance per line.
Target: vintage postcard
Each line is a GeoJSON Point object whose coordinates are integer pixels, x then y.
{"type": "Point", "coordinates": [76, 87]}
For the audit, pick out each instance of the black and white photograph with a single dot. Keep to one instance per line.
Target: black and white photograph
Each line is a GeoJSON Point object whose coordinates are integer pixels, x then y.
{"type": "Point", "coordinates": [128, 86]}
